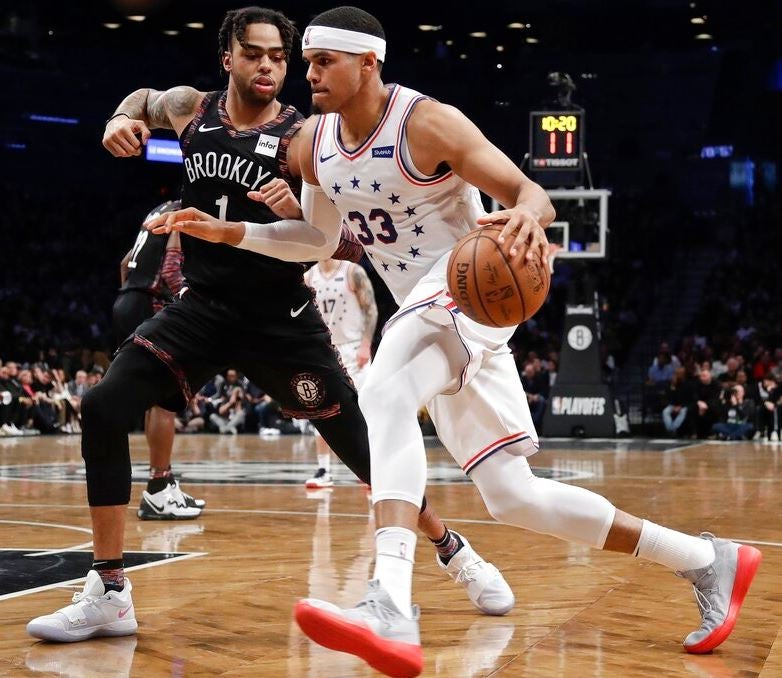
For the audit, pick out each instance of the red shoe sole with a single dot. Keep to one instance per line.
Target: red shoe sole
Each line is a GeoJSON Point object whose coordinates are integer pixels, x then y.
{"type": "Point", "coordinates": [748, 562]}
{"type": "Point", "coordinates": [399, 660]}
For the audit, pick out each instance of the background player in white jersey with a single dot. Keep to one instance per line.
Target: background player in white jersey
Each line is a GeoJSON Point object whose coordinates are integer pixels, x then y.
{"type": "Point", "coordinates": [398, 166]}
{"type": "Point", "coordinates": [346, 300]}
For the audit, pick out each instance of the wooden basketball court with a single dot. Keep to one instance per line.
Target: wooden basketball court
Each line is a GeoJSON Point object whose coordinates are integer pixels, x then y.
{"type": "Point", "coordinates": [214, 596]}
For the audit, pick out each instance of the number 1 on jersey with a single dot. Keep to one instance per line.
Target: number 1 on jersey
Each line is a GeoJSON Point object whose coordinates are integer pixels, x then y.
{"type": "Point", "coordinates": [141, 238]}
{"type": "Point", "coordinates": [222, 203]}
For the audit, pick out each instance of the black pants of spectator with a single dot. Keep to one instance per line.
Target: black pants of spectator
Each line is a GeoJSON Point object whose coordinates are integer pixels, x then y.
{"type": "Point", "coordinates": [768, 421]}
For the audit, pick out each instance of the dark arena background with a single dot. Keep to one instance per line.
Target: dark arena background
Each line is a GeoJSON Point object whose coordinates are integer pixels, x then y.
{"type": "Point", "coordinates": [653, 372]}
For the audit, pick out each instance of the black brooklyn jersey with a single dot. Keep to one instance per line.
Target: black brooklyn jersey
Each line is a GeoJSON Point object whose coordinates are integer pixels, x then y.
{"type": "Point", "coordinates": [147, 254]}
{"type": "Point", "coordinates": [221, 165]}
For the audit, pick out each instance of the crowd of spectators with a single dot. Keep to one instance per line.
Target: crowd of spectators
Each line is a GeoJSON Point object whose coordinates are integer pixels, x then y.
{"type": "Point", "coordinates": [736, 396]}
{"type": "Point", "coordinates": [60, 280]}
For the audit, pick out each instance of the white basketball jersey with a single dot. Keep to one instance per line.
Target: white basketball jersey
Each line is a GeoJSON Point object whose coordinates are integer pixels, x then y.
{"type": "Point", "coordinates": [337, 302]}
{"type": "Point", "coordinates": [405, 220]}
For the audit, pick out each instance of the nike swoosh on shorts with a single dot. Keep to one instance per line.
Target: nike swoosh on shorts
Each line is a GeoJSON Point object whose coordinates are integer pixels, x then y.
{"type": "Point", "coordinates": [298, 310]}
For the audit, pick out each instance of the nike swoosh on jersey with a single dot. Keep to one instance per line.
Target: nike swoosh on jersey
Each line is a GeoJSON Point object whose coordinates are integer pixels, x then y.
{"type": "Point", "coordinates": [328, 157]}
{"type": "Point", "coordinates": [299, 310]}
{"type": "Point", "coordinates": [209, 129]}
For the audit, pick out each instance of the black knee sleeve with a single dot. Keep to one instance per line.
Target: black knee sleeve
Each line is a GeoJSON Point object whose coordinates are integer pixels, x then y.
{"type": "Point", "coordinates": [346, 434]}
{"type": "Point", "coordinates": [135, 382]}
{"type": "Point", "coordinates": [105, 450]}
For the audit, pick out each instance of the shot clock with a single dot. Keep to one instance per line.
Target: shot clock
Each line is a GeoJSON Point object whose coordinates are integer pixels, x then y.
{"type": "Point", "coordinates": [556, 140]}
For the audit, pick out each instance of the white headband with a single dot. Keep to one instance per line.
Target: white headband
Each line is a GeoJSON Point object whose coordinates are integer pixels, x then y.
{"type": "Point", "coordinates": [340, 40]}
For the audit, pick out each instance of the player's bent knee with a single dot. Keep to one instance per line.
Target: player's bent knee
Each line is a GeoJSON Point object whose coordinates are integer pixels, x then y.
{"type": "Point", "coordinates": [96, 410]}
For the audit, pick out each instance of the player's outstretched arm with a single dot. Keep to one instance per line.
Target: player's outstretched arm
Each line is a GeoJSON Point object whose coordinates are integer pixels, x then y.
{"type": "Point", "coordinates": [128, 129]}
{"type": "Point", "coordinates": [438, 134]}
{"type": "Point", "coordinates": [288, 239]}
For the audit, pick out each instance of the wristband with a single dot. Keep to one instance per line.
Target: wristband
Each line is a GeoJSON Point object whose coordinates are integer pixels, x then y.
{"type": "Point", "coordinates": [116, 115]}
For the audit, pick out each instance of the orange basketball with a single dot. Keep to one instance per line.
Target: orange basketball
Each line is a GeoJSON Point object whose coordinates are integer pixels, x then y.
{"type": "Point", "coordinates": [490, 287]}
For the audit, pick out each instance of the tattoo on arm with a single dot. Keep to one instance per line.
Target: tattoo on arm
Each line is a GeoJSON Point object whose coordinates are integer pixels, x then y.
{"type": "Point", "coordinates": [135, 104]}
{"type": "Point", "coordinates": [156, 113]}
{"type": "Point", "coordinates": [366, 299]}
{"type": "Point", "coordinates": [157, 108]}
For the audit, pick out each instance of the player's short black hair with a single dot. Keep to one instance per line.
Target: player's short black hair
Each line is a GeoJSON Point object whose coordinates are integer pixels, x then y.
{"type": "Point", "coordinates": [350, 19]}
{"type": "Point", "coordinates": [236, 21]}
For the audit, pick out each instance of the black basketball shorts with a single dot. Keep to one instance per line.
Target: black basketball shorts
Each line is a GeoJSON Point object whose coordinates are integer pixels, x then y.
{"type": "Point", "coordinates": [283, 347]}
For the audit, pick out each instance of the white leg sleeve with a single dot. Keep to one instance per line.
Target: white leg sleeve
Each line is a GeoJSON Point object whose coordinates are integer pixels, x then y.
{"type": "Point", "coordinates": [514, 495]}
{"type": "Point", "coordinates": [416, 360]}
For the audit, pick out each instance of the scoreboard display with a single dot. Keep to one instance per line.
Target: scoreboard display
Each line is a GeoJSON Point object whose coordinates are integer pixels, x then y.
{"type": "Point", "coordinates": [556, 140]}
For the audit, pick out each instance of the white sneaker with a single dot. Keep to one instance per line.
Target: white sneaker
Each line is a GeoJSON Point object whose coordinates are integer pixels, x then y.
{"type": "Point", "coordinates": [189, 500]}
{"type": "Point", "coordinates": [168, 504]}
{"type": "Point", "coordinates": [374, 630]}
{"type": "Point", "coordinates": [720, 589]}
{"type": "Point", "coordinates": [484, 583]}
{"type": "Point", "coordinates": [93, 612]}
{"type": "Point", "coordinates": [321, 479]}
{"type": "Point", "coordinates": [269, 432]}
{"type": "Point", "coordinates": [774, 437]}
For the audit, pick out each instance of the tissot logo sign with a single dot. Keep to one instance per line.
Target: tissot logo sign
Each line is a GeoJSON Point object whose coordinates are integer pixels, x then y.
{"type": "Point", "coordinates": [566, 405]}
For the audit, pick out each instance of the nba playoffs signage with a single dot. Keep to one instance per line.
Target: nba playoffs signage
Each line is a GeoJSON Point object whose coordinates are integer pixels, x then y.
{"type": "Point", "coordinates": [580, 404]}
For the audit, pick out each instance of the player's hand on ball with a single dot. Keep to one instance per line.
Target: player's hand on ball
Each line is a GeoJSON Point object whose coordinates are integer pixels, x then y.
{"type": "Point", "coordinates": [279, 198]}
{"type": "Point", "coordinates": [198, 224]}
{"type": "Point", "coordinates": [523, 223]}
{"type": "Point", "coordinates": [121, 137]}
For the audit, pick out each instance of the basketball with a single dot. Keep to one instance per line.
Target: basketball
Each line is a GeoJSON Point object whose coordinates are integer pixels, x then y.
{"type": "Point", "coordinates": [488, 286]}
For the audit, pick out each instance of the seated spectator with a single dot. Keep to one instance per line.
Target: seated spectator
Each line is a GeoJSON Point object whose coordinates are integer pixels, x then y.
{"type": "Point", "coordinates": [729, 377]}
{"type": "Point", "coordinates": [533, 383]}
{"type": "Point", "coordinates": [10, 407]}
{"type": "Point", "coordinates": [736, 416]}
{"type": "Point", "coordinates": [770, 395]}
{"type": "Point", "coordinates": [672, 357]}
{"type": "Point", "coordinates": [661, 370]}
{"type": "Point", "coordinates": [763, 365]}
{"type": "Point", "coordinates": [681, 398]}
{"type": "Point", "coordinates": [191, 419]}
{"type": "Point", "coordinates": [230, 413]}
{"type": "Point", "coordinates": [707, 402]}
{"type": "Point", "coordinates": [78, 387]}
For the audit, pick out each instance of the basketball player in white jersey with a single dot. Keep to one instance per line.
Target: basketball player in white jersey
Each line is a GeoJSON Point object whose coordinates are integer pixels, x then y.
{"type": "Point", "coordinates": [346, 300]}
{"type": "Point", "coordinates": [401, 170]}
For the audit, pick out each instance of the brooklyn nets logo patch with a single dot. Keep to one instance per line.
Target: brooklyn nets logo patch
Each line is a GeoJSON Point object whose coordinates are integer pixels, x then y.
{"type": "Point", "coordinates": [309, 389]}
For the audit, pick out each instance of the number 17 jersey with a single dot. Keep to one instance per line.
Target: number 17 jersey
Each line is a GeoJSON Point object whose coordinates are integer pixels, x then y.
{"type": "Point", "coordinates": [405, 220]}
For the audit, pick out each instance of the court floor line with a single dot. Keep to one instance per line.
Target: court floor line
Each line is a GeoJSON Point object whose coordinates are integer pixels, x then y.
{"type": "Point", "coordinates": [70, 582]}
{"type": "Point", "coordinates": [277, 512]}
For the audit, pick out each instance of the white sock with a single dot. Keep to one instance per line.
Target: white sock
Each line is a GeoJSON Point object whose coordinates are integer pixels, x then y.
{"type": "Point", "coordinates": [395, 555]}
{"type": "Point", "coordinates": [676, 550]}
{"type": "Point", "coordinates": [324, 461]}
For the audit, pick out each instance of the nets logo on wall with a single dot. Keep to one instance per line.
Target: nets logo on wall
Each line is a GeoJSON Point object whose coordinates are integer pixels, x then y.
{"type": "Point", "coordinates": [247, 473]}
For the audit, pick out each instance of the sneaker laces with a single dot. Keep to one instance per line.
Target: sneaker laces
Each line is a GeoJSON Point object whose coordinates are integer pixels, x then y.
{"type": "Point", "coordinates": [702, 599]}
{"type": "Point", "coordinates": [86, 600]}
{"type": "Point", "coordinates": [382, 612]}
{"type": "Point", "coordinates": [468, 573]}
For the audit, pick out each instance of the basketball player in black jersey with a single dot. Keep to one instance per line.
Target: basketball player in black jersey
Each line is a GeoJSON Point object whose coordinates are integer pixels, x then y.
{"type": "Point", "coordinates": [151, 274]}
{"type": "Point", "coordinates": [240, 308]}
